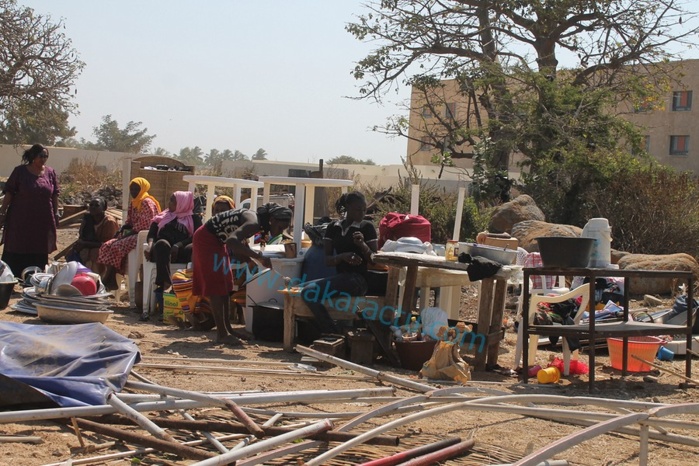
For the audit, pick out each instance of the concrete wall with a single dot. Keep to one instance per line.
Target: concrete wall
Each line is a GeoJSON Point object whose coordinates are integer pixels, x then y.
{"type": "Point", "coordinates": [60, 158]}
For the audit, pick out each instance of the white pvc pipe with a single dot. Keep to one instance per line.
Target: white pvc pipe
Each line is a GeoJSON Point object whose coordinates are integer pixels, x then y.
{"type": "Point", "coordinates": [459, 214]}
{"type": "Point", "coordinates": [232, 456]}
{"type": "Point", "coordinates": [139, 418]}
{"type": "Point", "coordinates": [415, 199]}
{"type": "Point", "coordinates": [261, 398]}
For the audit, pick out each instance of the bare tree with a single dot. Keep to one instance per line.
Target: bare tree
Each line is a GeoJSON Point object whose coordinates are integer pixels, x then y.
{"type": "Point", "coordinates": [38, 69]}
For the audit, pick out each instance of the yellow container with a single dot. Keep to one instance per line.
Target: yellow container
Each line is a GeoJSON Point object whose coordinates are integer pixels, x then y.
{"type": "Point", "coordinates": [172, 312]}
{"type": "Point", "coordinates": [548, 375]}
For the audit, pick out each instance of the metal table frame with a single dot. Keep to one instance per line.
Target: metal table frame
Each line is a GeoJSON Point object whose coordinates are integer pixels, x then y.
{"type": "Point", "coordinates": [594, 330]}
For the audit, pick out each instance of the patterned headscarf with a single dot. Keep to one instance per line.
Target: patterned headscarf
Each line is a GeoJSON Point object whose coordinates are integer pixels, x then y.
{"type": "Point", "coordinates": [144, 186]}
{"type": "Point", "coordinates": [183, 212]}
{"type": "Point", "coordinates": [223, 198]}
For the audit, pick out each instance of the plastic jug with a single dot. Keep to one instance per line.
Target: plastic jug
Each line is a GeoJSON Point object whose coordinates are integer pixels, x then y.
{"type": "Point", "coordinates": [599, 230]}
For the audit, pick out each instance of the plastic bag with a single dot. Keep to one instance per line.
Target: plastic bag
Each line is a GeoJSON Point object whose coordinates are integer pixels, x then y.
{"type": "Point", "coordinates": [446, 364]}
{"type": "Point", "coordinates": [435, 323]}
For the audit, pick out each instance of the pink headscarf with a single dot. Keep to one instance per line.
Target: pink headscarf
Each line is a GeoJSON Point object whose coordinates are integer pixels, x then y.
{"type": "Point", "coordinates": [183, 212]}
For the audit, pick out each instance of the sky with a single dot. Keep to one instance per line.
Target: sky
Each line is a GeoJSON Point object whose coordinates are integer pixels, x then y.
{"type": "Point", "coordinates": [228, 74]}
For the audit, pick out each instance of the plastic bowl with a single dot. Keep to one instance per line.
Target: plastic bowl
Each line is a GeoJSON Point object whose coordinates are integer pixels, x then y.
{"type": "Point", "coordinates": [500, 255]}
{"type": "Point", "coordinates": [565, 251]}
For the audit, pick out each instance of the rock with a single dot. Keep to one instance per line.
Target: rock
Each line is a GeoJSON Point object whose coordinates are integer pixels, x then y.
{"type": "Point", "coordinates": [527, 232]}
{"type": "Point", "coordinates": [660, 286]}
{"type": "Point", "coordinates": [517, 210]}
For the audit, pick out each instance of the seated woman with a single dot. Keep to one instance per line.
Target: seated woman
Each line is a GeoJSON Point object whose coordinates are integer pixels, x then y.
{"type": "Point", "coordinates": [142, 209]}
{"type": "Point", "coordinates": [170, 240]}
{"type": "Point", "coordinates": [279, 221]}
{"type": "Point", "coordinates": [96, 228]}
{"type": "Point", "coordinates": [349, 244]}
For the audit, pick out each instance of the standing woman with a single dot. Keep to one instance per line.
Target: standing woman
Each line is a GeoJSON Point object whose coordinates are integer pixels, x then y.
{"type": "Point", "coordinates": [223, 233]}
{"type": "Point", "coordinates": [142, 209]}
{"type": "Point", "coordinates": [29, 212]}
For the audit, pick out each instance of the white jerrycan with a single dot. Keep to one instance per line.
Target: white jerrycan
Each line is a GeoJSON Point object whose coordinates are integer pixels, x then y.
{"type": "Point", "coordinates": [599, 230]}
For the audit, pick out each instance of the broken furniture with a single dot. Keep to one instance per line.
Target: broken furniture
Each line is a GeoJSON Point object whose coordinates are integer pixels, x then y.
{"type": "Point", "coordinates": [295, 307]}
{"type": "Point", "coordinates": [619, 329]}
{"type": "Point", "coordinates": [491, 305]}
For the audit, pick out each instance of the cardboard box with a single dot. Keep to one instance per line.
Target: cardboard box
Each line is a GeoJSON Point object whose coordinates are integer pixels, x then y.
{"type": "Point", "coordinates": [507, 243]}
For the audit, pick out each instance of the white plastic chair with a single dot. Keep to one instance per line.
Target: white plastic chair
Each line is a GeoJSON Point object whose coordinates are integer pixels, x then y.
{"type": "Point", "coordinates": [534, 301]}
{"type": "Point", "coordinates": [149, 272]}
{"type": "Point", "coordinates": [133, 265]}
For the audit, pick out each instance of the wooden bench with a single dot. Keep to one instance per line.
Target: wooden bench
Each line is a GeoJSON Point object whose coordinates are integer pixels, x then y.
{"type": "Point", "coordinates": [342, 309]}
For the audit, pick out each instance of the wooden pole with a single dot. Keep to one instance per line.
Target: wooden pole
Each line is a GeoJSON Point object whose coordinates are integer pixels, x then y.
{"type": "Point", "coordinates": [669, 371]}
{"type": "Point", "coordinates": [147, 441]}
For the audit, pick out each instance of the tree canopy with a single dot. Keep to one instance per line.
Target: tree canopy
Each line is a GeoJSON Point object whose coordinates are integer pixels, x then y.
{"type": "Point", "coordinates": [349, 160]}
{"type": "Point", "coordinates": [505, 59]}
{"type": "Point", "coordinates": [110, 137]}
{"type": "Point", "coordinates": [38, 70]}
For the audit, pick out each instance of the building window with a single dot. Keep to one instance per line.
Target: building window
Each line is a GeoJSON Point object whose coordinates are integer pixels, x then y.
{"type": "Point", "coordinates": [425, 144]}
{"type": "Point", "coordinates": [679, 145]}
{"type": "Point", "coordinates": [681, 101]}
{"type": "Point", "coordinates": [426, 112]}
{"type": "Point", "coordinates": [450, 111]}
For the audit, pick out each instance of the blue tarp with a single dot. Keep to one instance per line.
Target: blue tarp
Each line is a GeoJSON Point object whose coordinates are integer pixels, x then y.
{"type": "Point", "coordinates": [72, 365]}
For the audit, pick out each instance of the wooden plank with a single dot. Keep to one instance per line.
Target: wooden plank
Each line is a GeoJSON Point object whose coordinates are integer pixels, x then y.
{"type": "Point", "coordinates": [485, 311]}
{"type": "Point", "coordinates": [496, 321]}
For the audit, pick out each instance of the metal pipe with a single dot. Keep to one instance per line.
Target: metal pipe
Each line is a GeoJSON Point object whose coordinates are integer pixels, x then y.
{"type": "Point", "coordinates": [402, 456]}
{"type": "Point", "coordinates": [441, 455]}
{"type": "Point", "coordinates": [168, 404]}
{"type": "Point", "coordinates": [258, 447]}
{"type": "Point", "coordinates": [138, 418]}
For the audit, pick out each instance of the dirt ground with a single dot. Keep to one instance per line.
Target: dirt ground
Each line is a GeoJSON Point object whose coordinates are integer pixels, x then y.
{"type": "Point", "coordinates": [501, 437]}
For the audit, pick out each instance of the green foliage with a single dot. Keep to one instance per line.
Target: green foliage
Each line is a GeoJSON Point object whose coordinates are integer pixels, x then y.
{"type": "Point", "coordinates": [129, 139]}
{"type": "Point", "coordinates": [437, 204]}
{"type": "Point", "coordinates": [38, 69]}
{"type": "Point", "coordinates": [190, 155]}
{"type": "Point", "coordinates": [504, 57]}
{"type": "Point", "coordinates": [349, 160]}
{"type": "Point", "coordinates": [652, 209]}
{"type": "Point", "coordinates": [261, 154]}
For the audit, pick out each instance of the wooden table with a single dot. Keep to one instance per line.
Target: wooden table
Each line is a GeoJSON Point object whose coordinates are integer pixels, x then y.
{"type": "Point", "coordinates": [491, 303]}
{"type": "Point", "coordinates": [593, 330]}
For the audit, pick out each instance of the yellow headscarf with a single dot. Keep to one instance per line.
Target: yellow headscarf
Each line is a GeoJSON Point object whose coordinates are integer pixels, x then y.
{"type": "Point", "coordinates": [223, 198]}
{"type": "Point", "coordinates": [144, 186]}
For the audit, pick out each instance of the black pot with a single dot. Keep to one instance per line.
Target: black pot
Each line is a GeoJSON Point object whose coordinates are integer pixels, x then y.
{"type": "Point", "coordinates": [565, 251]}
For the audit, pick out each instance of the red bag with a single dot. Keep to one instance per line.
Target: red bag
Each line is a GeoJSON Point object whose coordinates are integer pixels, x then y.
{"type": "Point", "coordinates": [395, 226]}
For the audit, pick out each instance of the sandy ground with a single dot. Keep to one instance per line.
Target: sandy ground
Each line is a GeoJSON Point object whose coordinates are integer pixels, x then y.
{"type": "Point", "coordinates": [501, 436]}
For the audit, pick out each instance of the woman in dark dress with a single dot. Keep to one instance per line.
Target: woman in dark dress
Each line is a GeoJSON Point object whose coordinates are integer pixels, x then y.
{"type": "Point", "coordinates": [29, 212]}
{"type": "Point", "coordinates": [349, 244]}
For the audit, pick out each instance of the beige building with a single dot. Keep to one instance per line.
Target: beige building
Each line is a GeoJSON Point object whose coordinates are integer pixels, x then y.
{"type": "Point", "coordinates": [669, 126]}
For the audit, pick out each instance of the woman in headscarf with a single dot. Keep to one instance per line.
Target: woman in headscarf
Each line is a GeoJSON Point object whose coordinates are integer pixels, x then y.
{"type": "Point", "coordinates": [227, 231]}
{"type": "Point", "coordinates": [278, 219]}
{"type": "Point", "coordinates": [170, 240]}
{"type": "Point", "coordinates": [222, 203]}
{"type": "Point", "coordinates": [142, 208]}
{"type": "Point", "coordinates": [96, 228]}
